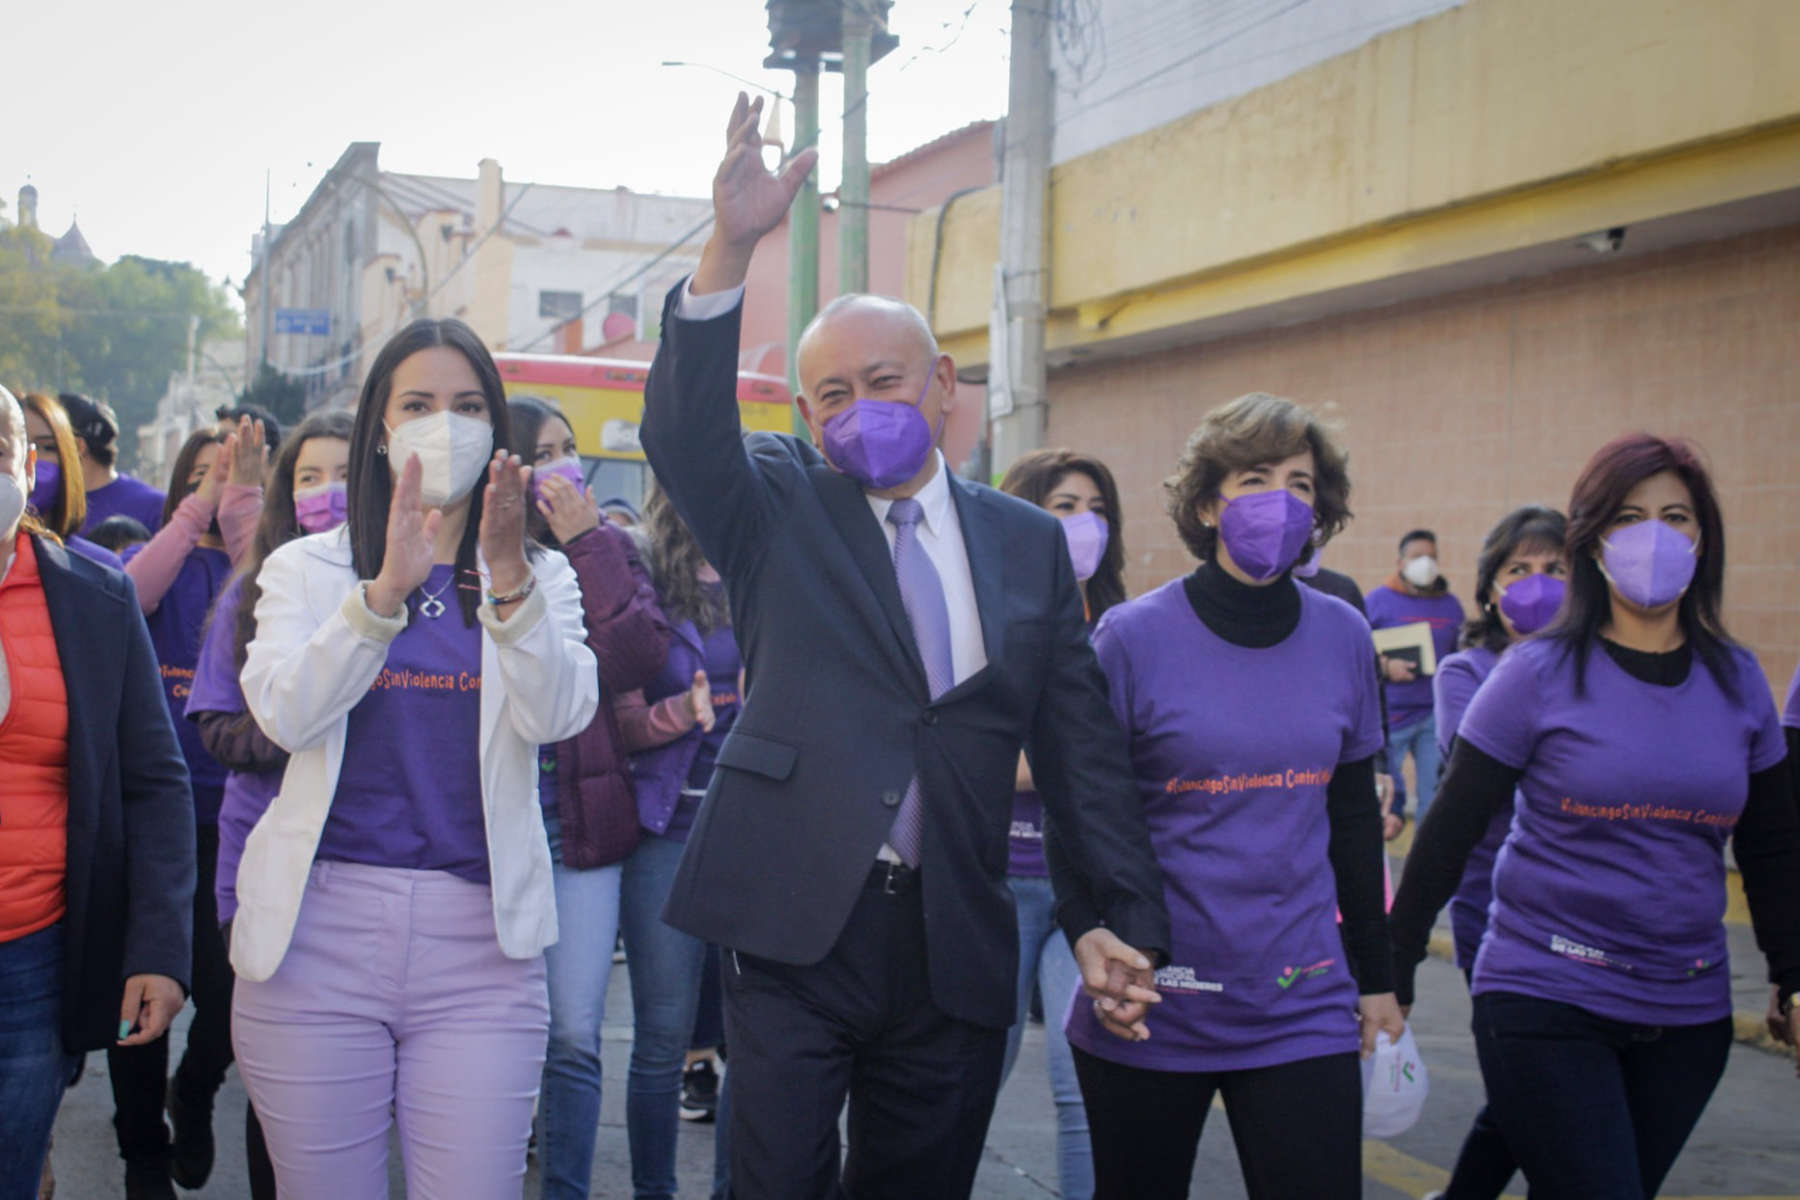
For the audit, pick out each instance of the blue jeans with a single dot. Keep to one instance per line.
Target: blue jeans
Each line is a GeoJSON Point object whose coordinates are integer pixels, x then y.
{"type": "Point", "coordinates": [34, 1069]}
{"type": "Point", "coordinates": [665, 966]}
{"type": "Point", "coordinates": [1419, 740]}
{"type": "Point", "coordinates": [1046, 960]}
{"type": "Point", "coordinates": [578, 968]}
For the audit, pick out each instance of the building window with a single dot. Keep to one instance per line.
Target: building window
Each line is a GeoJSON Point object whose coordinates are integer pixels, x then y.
{"type": "Point", "coordinates": [559, 306]}
{"type": "Point", "coordinates": [619, 302]}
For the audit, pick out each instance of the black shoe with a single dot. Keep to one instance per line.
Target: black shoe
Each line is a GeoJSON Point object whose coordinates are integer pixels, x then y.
{"type": "Point", "coordinates": [699, 1091]}
{"type": "Point", "coordinates": [191, 1149]}
{"type": "Point", "coordinates": [148, 1181]}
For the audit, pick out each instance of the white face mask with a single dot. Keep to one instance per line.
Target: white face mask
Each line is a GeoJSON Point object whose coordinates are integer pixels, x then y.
{"type": "Point", "coordinates": [1421, 572]}
{"type": "Point", "coordinates": [452, 449]}
{"type": "Point", "coordinates": [12, 502]}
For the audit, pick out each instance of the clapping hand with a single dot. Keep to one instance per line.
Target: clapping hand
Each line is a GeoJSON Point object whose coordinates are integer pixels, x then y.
{"type": "Point", "coordinates": [503, 523]}
{"type": "Point", "coordinates": [568, 510]}
{"type": "Point", "coordinates": [249, 458]}
{"type": "Point", "coordinates": [213, 482]}
{"type": "Point", "coordinates": [1121, 982]}
{"type": "Point", "coordinates": [748, 199]}
{"type": "Point", "coordinates": [411, 544]}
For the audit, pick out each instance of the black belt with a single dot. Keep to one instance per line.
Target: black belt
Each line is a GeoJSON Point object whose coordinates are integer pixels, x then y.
{"type": "Point", "coordinates": [893, 878]}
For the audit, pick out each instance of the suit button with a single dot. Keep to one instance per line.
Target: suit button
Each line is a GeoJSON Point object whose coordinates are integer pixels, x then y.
{"type": "Point", "coordinates": [930, 717]}
{"type": "Point", "coordinates": [891, 799]}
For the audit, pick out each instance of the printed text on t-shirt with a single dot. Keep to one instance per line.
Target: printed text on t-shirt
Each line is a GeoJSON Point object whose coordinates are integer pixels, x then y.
{"type": "Point", "coordinates": [1218, 785]}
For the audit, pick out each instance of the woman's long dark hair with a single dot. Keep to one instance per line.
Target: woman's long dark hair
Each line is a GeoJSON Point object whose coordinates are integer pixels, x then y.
{"type": "Point", "coordinates": [1532, 529]}
{"type": "Point", "coordinates": [179, 487]}
{"type": "Point", "coordinates": [528, 416]}
{"type": "Point", "coordinates": [675, 560]}
{"type": "Point", "coordinates": [1599, 493]}
{"type": "Point", "coordinates": [1035, 475]}
{"type": "Point", "coordinates": [278, 525]}
{"type": "Point", "coordinates": [371, 489]}
{"type": "Point", "coordinates": [69, 509]}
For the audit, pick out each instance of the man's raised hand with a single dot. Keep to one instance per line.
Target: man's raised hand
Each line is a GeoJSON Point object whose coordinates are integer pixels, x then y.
{"type": "Point", "coordinates": [748, 198]}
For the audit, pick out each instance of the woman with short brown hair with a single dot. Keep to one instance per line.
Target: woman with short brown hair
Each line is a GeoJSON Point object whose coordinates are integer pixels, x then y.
{"type": "Point", "coordinates": [1254, 723]}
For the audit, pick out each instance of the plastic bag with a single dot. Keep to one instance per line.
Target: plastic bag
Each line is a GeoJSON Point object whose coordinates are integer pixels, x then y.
{"type": "Point", "coordinates": [1395, 1085]}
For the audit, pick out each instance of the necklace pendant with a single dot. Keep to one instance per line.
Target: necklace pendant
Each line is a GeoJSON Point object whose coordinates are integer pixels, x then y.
{"type": "Point", "coordinates": [431, 607]}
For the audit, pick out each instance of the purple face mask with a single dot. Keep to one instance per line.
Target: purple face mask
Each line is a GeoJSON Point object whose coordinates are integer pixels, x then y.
{"type": "Point", "coordinates": [320, 508]}
{"type": "Point", "coordinates": [567, 468]}
{"type": "Point", "coordinates": [1531, 602]}
{"type": "Point", "coordinates": [1266, 531]}
{"type": "Point", "coordinates": [1651, 563]}
{"type": "Point", "coordinates": [881, 443]}
{"type": "Point", "coordinates": [43, 492]}
{"type": "Point", "coordinates": [1087, 533]}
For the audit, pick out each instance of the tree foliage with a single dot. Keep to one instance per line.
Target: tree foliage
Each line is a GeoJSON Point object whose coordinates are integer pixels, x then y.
{"type": "Point", "coordinates": [116, 332]}
{"type": "Point", "coordinates": [280, 394]}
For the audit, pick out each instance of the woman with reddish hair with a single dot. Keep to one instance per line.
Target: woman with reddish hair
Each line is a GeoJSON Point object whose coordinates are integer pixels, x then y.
{"type": "Point", "coordinates": [1638, 737]}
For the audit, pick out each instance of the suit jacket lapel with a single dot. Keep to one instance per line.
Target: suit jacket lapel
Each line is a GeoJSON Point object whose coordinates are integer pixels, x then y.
{"type": "Point", "coordinates": [987, 567]}
{"type": "Point", "coordinates": [849, 510]}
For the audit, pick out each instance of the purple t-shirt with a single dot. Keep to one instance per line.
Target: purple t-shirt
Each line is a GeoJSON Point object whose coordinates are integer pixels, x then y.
{"type": "Point", "coordinates": [723, 662]}
{"type": "Point", "coordinates": [1410, 703]}
{"type": "Point", "coordinates": [247, 793]}
{"type": "Point", "coordinates": [1790, 712]}
{"type": "Point", "coordinates": [1610, 889]}
{"type": "Point", "coordinates": [1459, 677]}
{"type": "Point", "coordinates": [1231, 751]}
{"type": "Point", "coordinates": [409, 794]}
{"type": "Point", "coordinates": [133, 497]}
{"type": "Point", "coordinates": [176, 628]}
{"type": "Point", "coordinates": [1025, 848]}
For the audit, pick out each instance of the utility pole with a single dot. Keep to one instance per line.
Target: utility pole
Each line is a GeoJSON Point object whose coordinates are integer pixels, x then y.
{"type": "Point", "coordinates": [803, 226]}
{"type": "Point", "coordinates": [853, 191]}
{"type": "Point", "coordinates": [1024, 218]}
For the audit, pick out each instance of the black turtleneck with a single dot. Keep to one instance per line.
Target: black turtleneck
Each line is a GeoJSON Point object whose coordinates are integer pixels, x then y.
{"type": "Point", "coordinates": [1241, 613]}
{"type": "Point", "coordinates": [1258, 618]}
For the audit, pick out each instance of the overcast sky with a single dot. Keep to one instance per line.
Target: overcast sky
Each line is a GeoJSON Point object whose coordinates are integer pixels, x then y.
{"type": "Point", "coordinates": [154, 124]}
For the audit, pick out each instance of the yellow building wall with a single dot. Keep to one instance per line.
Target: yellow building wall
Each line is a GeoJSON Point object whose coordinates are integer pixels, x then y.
{"type": "Point", "coordinates": [1491, 127]}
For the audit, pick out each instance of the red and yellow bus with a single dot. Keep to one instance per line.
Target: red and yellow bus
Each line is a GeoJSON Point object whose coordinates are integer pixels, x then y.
{"type": "Point", "coordinates": [604, 401]}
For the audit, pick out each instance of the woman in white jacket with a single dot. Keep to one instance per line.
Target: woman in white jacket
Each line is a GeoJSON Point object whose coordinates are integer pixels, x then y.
{"type": "Point", "coordinates": [395, 900]}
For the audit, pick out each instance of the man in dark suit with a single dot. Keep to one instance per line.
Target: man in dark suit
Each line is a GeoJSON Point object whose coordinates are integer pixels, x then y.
{"type": "Point", "coordinates": [905, 633]}
{"type": "Point", "coordinates": [95, 943]}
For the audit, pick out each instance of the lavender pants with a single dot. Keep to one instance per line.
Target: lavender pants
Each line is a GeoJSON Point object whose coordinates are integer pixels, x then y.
{"type": "Point", "coordinates": [394, 999]}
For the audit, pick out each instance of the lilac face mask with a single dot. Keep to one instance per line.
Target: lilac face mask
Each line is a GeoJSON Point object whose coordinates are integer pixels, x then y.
{"type": "Point", "coordinates": [1650, 563]}
{"type": "Point", "coordinates": [881, 443]}
{"type": "Point", "coordinates": [1087, 534]}
{"type": "Point", "coordinates": [1266, 531]}
{"type": "Point", "coordinates": [320, 508]}
{"type": "Point", "coordinates": [1531, 602]}
{"type": "Point", "coordinates": [43, 492]}
{"type": "Point", "coordinates": [1308, 566]}
{"type": "Point", "coordinates": [568, 468]}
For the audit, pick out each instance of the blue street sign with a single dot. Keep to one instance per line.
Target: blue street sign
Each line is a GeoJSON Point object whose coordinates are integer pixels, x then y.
{"type": "Point", "coordinates": [313, 322]}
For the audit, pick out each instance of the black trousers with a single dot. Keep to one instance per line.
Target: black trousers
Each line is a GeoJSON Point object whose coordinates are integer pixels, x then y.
{"type": "Point", "coordinates": [1297, 1127]}
{"type": "Point", "coordinates": [858, 1025]}
{"type": "Point", "coordinates": [1485, 1164]}
{"type": "Point", "coordinates": [140, 1074]}
{"type": "Point", "coordinates": [1594, 1109]}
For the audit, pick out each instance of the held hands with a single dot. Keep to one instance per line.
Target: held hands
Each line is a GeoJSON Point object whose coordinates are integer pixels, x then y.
{"type": "Point", "coordinates": [1121, 982]}
{"type": "Point", "coordinates": [1784, 1026]}
{"type": "Point", "coordinates": [503, 523]}
{"type": "Point", "coordinates": [568, 510]}
{"type": "Point", "coordinates": [1379, 1013]}
{"type": "Point", "coordinates": [748, 198]}
{"type": "Point", "coordinates": [1399, 670]}
{"type": "Point", "coordinates": [249, 458]}
{"type": "Point", "coordinates": [149, 1004]}
{"type": "Point", "coordinates": [700, 702]}
{"type": "Point", "coordinates": [411, 545]}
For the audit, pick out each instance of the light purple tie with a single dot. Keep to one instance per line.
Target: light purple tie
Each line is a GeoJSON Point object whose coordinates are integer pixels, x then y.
{"type": "Point", "coordinates": [922, 592]}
